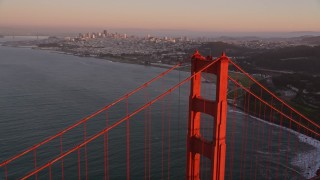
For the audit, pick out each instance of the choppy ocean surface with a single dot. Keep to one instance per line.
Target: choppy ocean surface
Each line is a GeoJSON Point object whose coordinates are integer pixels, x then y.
{"type": "Point", "coordinates": [43, 92]}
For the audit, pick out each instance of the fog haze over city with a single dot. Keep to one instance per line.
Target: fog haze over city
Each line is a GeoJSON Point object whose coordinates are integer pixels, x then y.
{"type": "Point", "coordinates": [208, 18]}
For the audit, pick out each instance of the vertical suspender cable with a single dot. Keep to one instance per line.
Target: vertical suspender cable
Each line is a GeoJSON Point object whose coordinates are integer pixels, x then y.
{"type": "Point", "coordinates": [62, 162]}
{"type": "Point", "coordinates": [85, 149]}
{"type": "Point", "coordinates": [79, 165]}
{"type": "Point", "coordinates": [35, 161]}
{"type": "Point", "coordinates": [106, 147]}
{"type": "Point", "coordinates": [128, 139]}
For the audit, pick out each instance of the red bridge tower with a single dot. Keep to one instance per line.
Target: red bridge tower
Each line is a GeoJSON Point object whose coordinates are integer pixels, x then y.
{"type": "Point", "coordinates": [214, 149]}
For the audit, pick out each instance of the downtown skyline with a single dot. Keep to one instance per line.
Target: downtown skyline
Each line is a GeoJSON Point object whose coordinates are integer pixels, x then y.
{"type": "Point", "coordinates": [229, 17]}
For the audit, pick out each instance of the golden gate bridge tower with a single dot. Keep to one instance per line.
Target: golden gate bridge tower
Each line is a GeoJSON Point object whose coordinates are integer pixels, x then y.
{"type": "Point", "coordinates": [214, 149]}
{"type": "Point", "coordinates": [274, 112]}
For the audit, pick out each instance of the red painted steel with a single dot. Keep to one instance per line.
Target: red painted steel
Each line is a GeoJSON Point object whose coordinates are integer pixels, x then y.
{"type": "Point", "coordinates": [88, 117]}
{"type": "Point", "coordinates": [193, 159]}
{"type": "Point", "coordinates": [273, 95]}
{"type": "Point", "coordinates": [197, 145]}
{"type": "Point", "coordinates": [99, 134]}
{"type": "Point", "coordinates": [105, 153]}
{"type": "Point", "coordinates": [275, 109]}
{"type": "Point", "coordinates": [215, 150]}
{"type": "Point", "coordinates": [128, 140]}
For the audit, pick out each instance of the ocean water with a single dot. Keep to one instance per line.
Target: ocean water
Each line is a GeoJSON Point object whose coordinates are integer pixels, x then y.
{"type": "Point", "coordinates": [42, 92]}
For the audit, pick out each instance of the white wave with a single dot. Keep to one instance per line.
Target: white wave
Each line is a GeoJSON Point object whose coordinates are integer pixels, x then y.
{"type": "Point", "coordinates": [308, 161]}
{"type": "Point", "coordinates": [266, 153]}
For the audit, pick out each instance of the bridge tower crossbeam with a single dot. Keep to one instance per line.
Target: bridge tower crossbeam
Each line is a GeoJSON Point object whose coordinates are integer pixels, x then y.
{"type": "Point", "coordinates": [214, 149]}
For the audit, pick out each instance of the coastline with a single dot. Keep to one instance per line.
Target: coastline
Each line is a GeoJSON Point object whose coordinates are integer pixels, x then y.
{"type": "Point", "coordinates": [308, 168]}
{"type": "Point", "coordinates": [107, 58]}
{"type": "Point", "coordinates": [300, 136]}
{"type": "Point", "coordinates": [308, 162]}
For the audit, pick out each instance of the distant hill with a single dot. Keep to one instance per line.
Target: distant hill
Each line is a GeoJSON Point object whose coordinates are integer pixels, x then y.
{"type": "Point", "coordinates": [245, 38]}
{"type": "Point", "coordinates": [315, 40]}
{"type": "Point", "coordinates": [216, 48]}
{"type": "Point", "coordinates": [304, 59]}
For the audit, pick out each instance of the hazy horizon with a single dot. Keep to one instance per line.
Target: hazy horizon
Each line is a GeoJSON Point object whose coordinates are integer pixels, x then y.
{"type": "Point", "coordinates": [185, 17]}
{"type": "Point", "coordinates": [153, 32]}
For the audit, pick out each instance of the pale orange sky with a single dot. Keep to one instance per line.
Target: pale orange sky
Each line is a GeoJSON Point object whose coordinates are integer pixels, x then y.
{"type": "Point", "coordinates": [205, 15]}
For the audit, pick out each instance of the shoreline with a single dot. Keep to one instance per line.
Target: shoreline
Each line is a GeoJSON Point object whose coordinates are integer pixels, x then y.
{"type": "Point", "coordinates": [111, 59]}
{"type": "Point", "coordinates": [297, 161]}
{"type": "Point", "coordinates": [299, 135]}
{"type": "Point", "coordinates": [301, 160]}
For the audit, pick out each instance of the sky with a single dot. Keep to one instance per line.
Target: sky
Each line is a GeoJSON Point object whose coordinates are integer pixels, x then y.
{"type": "Point", "coordinates": [177, 15]}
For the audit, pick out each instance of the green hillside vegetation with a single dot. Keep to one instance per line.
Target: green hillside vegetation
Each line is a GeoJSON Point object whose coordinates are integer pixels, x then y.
{"type": "Point", "coordinates": [304, 59]}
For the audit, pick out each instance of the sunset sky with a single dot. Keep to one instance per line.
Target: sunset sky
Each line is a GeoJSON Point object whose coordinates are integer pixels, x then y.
{"type": "Point", "coordinates": [191, 15]}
